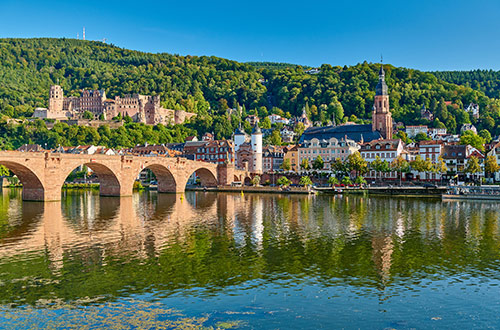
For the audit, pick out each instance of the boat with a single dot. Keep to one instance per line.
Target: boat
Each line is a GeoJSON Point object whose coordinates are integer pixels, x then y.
{"type": "Point", "coordinates": [328, 190]}
{"type": "Point", "coordinates": [472, 193]}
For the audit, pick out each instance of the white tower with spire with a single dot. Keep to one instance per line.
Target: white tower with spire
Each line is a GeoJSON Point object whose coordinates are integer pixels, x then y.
{"type": "Point", "coordinates": [257, 149]}
{"type": "Point", "coordinates": [239, 138]}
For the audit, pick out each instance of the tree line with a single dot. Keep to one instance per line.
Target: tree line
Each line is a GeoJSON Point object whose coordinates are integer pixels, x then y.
{"type": "Point", "coordinates": [209, 86]}
{"type": "Point", "coordinates": [13, 134]}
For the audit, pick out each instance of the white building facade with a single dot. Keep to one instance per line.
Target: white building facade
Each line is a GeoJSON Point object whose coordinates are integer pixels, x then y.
{"type": "Point", "coordinates": [329, 150]}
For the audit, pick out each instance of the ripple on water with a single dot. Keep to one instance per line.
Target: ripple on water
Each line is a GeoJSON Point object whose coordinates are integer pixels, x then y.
{"type": "Point", "coordinates": [263, 260]}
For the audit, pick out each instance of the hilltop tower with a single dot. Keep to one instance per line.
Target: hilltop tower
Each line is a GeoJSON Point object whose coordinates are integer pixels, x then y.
{"type": "Point", "coordinates": [56, 99]}
{"type": "Point", "coordinates": [381, 116]}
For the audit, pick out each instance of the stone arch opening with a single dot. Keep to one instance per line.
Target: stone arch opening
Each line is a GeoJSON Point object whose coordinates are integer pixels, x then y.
{"type": "Point", "coordinates": [204, 178]}
{"type": "Point", "coordinates": [165, 180]}
{"type": "Point", "coordinates": [109, 185]}
{"type": "Point", "coordinates": [248, 181]}
{"type": "Point", "coordinates": [33, 189]}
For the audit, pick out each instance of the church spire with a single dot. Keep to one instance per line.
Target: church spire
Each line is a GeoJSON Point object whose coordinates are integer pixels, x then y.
{"type": "Point", "coordinates": [381, 88]}
{"type": "Point", "coordinates": [381, 116]}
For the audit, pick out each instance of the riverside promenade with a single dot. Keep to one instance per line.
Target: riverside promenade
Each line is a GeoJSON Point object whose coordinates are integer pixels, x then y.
{"type": "Point", "coordinates": [388, 190]}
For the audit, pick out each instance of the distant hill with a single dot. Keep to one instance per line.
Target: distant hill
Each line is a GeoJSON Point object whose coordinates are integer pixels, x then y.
{"type": "Point", "coordinates": [29, 66]}
{"type": "Point", "coordinates": [209, 85]}
{"type": "Point", "coordinates": [487, 81]}
{"type": "Point", "coordinates": [272, 65]}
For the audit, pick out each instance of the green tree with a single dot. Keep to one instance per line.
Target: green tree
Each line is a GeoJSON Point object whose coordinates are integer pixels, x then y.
{"type": "Point", "coordinates": [357, 163]}
{"type": "Point", "coordinates": [318, 163]}
{"type": "Point", "coordinates": [346, 180]}
{"type": "Point", "coordinates": [284, 181]}
{"type": "Point", "coordinates": [377, 165]}
{"type": "Point", "coordinates": [299, 129]}
{"type": "Point", "coordinates": [472, 166]}
{"type": "Point", "coordinates": [286, 165]}
{"type": "Point", "coordinates": [421, 137]}
{"type": "Point", "coordinates": [275, 138]}
{"type": "Point", "coordinates": [338, 166]}
{"type": "Point", "coordinates": [332, 181]}
{"type": "Point", "coordinates": [256, 180]}
{"type": "Point", "coordinates": [265, 123]}
{"type": "Point", "coordinates": [400, 165]}
{"type": "Point", "coordinates": [486, 135]}
{"type": "Point", "coordinates": [305, 181]}
{"type": "Point", "coordinates": [4, 171]}
{"type": "Point", "coordinates": [491, 165]}
{"type": "Point", "coordinates": [403, 136]}
{"type": "Point", "coordinates": [88, 115]}
{"type": "Point", "coordinates": [360, 180]}
{"type": "Point", "coordinates": [471, 138]}
{"type": "Point", "coordinates": [421, 165]}
{"type": "Point", "coordinates": [440, 166]}
{"type": "Point", "coordinates": [304, 164]}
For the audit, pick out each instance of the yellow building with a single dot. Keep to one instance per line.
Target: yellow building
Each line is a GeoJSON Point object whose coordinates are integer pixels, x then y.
{"type": "Point", "coordinates": [293, 155]}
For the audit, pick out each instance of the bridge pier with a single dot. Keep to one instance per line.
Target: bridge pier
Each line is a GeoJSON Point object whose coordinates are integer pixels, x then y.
{"type": "Point", "coordinates": [35, 194]}
{"type": "Point", "coordinates": [225, 174]}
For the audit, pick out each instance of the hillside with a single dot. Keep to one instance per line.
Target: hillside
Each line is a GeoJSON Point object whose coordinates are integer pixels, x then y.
{"type": "Point", "coordinates": [30, 66]}
{"type": "Point", "coordinates": [209, 85]}
{"type": "Point", "coordinates": [487, 81]}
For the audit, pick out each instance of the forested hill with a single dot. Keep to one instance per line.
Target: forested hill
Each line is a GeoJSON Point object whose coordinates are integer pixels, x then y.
{"type": "Point", "coordinates": [487, 81]}
{"type": "Point", "coordinates": [209, 85]}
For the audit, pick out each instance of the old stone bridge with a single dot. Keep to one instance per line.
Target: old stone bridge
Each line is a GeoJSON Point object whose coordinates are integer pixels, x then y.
{"type": "Point", "coordinates": [42, 174]}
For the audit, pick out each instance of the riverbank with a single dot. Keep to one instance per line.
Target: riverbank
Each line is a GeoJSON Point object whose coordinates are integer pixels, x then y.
{"type": "Point", "coordinates": [80, 186]}
{"type": "Point", "coordinates": [387, 191]}
{"type": "Point", "coordinates": [260, 190]}
{"type": "Point", "coordinates": [380, 191]}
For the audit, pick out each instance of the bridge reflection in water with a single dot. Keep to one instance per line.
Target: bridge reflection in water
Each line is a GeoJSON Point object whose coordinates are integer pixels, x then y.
{"type": "Point", "coordinates": [93, 246]}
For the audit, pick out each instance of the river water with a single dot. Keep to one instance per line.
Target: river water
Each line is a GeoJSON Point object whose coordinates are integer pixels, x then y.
{"type": "Point", "coordinates": [220, 260]}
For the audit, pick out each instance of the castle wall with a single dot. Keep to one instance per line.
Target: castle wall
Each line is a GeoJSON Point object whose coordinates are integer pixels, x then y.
{"type": "Point", "coordinates": [141, 108]}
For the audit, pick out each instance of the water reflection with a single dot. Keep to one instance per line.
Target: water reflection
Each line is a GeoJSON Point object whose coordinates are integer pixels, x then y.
{"type": "Point", "coordinates": [201, 244]}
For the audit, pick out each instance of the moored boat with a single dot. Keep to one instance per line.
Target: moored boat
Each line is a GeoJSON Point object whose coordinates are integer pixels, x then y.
{"type": "Point", "coordinates": [472, 193]}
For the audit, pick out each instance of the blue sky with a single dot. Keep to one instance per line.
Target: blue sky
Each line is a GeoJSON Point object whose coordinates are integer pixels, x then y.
{"type": "Point", "coordinates": [425, 35]}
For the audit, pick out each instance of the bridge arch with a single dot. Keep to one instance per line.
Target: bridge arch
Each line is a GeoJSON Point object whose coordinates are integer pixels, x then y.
{"type": "Point", "coordinates": [109, 184]}
{"type": "Point", "coordinates": [165, 178]}
{"type": "Point", "coordinates": [247, 181]}
{"type": "Point", "coordinates": [207, 177]}
{"type": "Point", "coordinates": [33, 188]}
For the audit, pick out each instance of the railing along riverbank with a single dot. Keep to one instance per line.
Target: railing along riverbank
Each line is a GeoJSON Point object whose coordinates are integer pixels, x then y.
{"type": "Point", "coordinates": [252, 189]}
{"type": "Point", "coordinates": [432, 191]}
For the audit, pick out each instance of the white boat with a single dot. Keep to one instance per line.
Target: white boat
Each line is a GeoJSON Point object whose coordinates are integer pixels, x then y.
{"type": "Point", "coordinates": [472, 193]}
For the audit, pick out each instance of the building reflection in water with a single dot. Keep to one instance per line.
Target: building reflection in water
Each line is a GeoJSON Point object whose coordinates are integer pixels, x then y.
{"type": "Point", "coordinates": [365, 241]}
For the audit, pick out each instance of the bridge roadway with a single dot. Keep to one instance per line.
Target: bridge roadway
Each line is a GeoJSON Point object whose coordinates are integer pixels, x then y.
{"type": "Point", "coordinates": [42, 174]}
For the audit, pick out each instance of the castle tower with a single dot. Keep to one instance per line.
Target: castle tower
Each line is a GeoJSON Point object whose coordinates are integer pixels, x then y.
{"type": "Point", "coordinates": [239, 138]}
{"type": "Point", "coordinates": [381, 116]}
{"type": "Point", "coordinates": [257, 149]}
{"type": "Point", "coordinates": [56, 99]}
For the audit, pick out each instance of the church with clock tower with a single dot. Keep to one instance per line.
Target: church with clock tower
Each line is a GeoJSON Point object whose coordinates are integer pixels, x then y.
{"type": "Point", "coordinates": [381, 116]}
{"type": "Point", "coordinates": [381, 127]}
